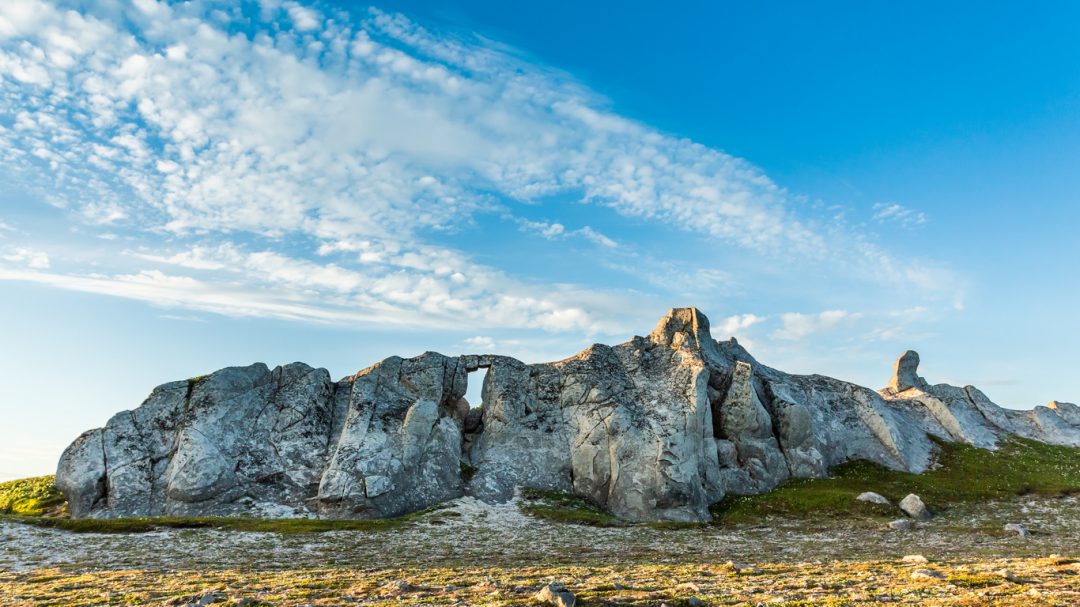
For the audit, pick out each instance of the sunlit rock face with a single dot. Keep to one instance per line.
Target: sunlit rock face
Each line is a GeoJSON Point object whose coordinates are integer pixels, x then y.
{"type": "Point", "coordinates": [654, 429]}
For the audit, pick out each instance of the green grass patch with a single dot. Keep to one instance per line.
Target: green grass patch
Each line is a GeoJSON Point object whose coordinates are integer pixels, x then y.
{"type": "Point", "coordinates": [962, 474]}
{"type": "Point", "coordinates": [36, 496]}
{"type": "Point", "coordinates": [562, 507]}
{"type": "Point", "coordinates": [467, 471]}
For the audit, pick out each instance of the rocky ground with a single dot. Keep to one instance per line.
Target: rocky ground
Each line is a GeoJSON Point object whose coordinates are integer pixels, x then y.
{"type": "Point", "coordinates": [469, 553]}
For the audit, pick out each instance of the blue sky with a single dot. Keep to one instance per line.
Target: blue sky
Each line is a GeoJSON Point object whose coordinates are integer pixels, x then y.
{"type": "Point", "coordinates": [185, 187]}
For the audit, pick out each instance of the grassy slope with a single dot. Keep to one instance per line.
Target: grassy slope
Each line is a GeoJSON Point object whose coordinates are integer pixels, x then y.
{"type": "Point", "coordinates": [31, 497]}
{"type": "Point", "coordinates": [962, 474]}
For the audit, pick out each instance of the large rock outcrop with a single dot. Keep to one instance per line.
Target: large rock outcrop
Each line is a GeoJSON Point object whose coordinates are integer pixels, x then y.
{"type": "Point", "coordinates": [657, 428]}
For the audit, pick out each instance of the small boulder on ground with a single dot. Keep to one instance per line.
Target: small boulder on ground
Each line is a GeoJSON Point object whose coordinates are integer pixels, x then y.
{"type": "Point", "coordinates": [556, 594]}
{"type": "Point", "coordinates": [913, 506]}
{"type": "Point", "coordinates": [901, 525]}
{"type": "Point", "coordinates": [873, 498]}
{"type": "Point", "coordinates": [923, 574]}
{"type": "Point", "coordinates": [1018, 529]}
{"type": "Point", "coordinates": [1008, 575]}
{"type": "Point", "coordinates": [743, 568]}
{"type": "Point", "coordinates": [915, 558]}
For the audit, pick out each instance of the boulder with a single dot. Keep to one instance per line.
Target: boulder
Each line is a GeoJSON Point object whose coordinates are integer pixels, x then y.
{"type": "Point", "coordinates": [873, 498]}
{"type": "Point", "coordinates": [555, 594]}
{"type": "Point", "coordinates": [905, 373]}
{"type": "Point", "coordinates": [913, 506]}
{"type": "Point", "coordinates": [901, 525]}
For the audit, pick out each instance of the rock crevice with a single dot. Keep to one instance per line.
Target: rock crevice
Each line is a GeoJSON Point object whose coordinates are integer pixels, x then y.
{"type": "Point", "coordinates": [654, 429]}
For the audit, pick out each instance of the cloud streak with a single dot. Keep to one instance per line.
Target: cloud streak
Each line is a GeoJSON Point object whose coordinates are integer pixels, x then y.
{"type": "Point", "coordinates": [365, 138]}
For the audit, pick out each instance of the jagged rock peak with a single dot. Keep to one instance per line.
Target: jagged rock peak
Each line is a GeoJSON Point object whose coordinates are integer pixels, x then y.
{"type": "Point", "coordinates": [683, 326]}
{"type": "Point", "coordinates": [905, 373]}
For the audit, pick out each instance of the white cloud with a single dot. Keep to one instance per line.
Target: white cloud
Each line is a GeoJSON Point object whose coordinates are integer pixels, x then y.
{"type": "Point", "coordinates": [4, 227]}
{"type": "Point", "coordinates": [898, 214]}
{"type": "Point", "coordinates": [425, 287]}
{"type": "Point", "coordinates": [796, 326]}
{"type": "Point", "coordinates": [481, 342]}
{"type": "Point", "coordinates": [733, 325]}
{"type": "Point", "coordinates": [557, 231]}
{"type": "Point", "coordinates": [271, 135]}
{"type": "Point", "coordinates": [305, 19]}
{"type": "Point", "coordinates": [31, 258]}
{"type": "Point", "coordinates": [362, 138]}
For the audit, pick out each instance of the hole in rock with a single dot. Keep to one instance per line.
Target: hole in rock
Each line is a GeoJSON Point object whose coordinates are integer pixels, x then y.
{"type": "Point", "coordinates": [474, 392]}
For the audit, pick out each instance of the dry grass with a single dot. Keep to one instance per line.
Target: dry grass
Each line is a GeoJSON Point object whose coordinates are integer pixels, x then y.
{"type": "Point", "coordinates": [1045, 581]}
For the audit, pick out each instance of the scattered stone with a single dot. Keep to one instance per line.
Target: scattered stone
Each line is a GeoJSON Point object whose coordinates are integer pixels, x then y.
{"type": "Point", "coordinates": [901, 525]}
{"type": "Point", "coordinates": [1018, 529]}
{"type": "Point", "coordinates": [873, 498]}
{"type": "Point", "coordinates": [396, 587]}
{"type": "Point", "coordinates": [690, 586]}
{"type": "Point", "coordinates": [1008, 575]}
{"type": "Point", "coordinates": [928, 574]}
{"type": "Point", "coordinates": [556, 594]}
{"type": "Point", "coordinates": [211, 597]}
{"type": "Point", "coordinates": [915, 558]}
{"type": "Point", "coordinates": [913, 506]}
{"type": "Point", "coordinates": [695, 602]}
{"type": "Point", "coordinates": [743, 568]}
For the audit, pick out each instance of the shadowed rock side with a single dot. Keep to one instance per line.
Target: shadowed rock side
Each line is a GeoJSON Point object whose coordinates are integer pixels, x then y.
{"type": "Point", "coordinates": [657, 428]}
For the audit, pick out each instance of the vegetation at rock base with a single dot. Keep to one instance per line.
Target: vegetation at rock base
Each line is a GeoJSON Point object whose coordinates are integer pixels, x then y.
{"type": "Point", "coordinates": [561, 507]}
{"type": "Point", "coordinates": [961, 474]}
{"type": "Point", "coordinates": [36, 496]}
{"type": "Point", "coordinates": [266, 525]}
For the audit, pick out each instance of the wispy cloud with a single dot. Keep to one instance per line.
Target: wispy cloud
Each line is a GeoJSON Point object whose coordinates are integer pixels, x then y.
{"type": "Point", "coordinates": [733, 325]}
{"type": "Point", "coordinates": [898, 214]}
{"type": "Point", "coordinates": [414, 288]}
{"type": "Point", "coordinates": [795, 325]}
{"type": "Point", "coordinates": [557, 231]}
{"type": "Point", "coordinates": [38, 260]}
{"type": "Point", "coordinates": [359, 139]}
{"type": "Point", "coordinates": [481, 342]}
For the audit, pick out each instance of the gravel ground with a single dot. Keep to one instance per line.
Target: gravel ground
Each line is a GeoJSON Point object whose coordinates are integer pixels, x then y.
{"type": "Point", "coordinates": [470, 545]}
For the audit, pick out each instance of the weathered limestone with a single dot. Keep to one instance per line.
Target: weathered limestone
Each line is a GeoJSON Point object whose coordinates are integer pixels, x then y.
{"type": "Point", "coordinates": [657, 428]}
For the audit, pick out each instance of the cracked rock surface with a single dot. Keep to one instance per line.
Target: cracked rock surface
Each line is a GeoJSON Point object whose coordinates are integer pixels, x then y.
{"type": "Point", "coordinates": [654, 429]}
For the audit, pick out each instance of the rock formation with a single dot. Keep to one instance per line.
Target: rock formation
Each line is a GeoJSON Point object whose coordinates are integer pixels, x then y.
{"type": "Point", "coordinates": [657, 428]}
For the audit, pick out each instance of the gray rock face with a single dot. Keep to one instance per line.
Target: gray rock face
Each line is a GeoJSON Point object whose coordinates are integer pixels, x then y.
{"type": "Point", "coordinates": [657, 428]}
{"type": "Point", "coordinates": [873, 498]}
{"type": "Point", "coordinates": [913, 506]}
{"type": "Point", "coordinates": [905, 373]}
